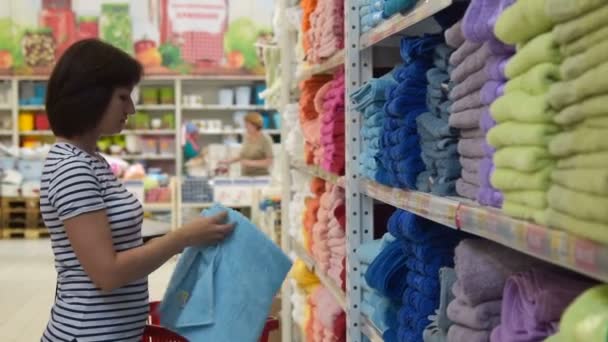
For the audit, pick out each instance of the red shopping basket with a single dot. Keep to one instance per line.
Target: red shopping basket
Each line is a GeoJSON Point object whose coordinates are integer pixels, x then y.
{"type": "Point", "coordinates": [155, 333]}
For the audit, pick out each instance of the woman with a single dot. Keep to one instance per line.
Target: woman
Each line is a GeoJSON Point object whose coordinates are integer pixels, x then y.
{"type": "Point", "coordinates": [95, 223]}
{"type": "Point", "coordinates": [256, 153]}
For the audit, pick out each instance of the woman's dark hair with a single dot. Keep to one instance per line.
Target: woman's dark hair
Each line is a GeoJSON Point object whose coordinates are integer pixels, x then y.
{"type": "Point", "coordinates": [82, 84]}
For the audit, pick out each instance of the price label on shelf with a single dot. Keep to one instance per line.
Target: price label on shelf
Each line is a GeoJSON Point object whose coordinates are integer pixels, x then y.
{"type": "Point", "coordinates": [519, 230]}
{"type": "Point", "coordinates": [561, 247]}
{"type": "Point", "coordinates": [537, 239]}
{"type": "Point", "coordinates": [585, 254]}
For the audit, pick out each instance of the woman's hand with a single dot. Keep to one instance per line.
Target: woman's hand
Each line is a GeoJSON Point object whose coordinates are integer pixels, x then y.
{"type": "Point", "coordinates": [204, 231]}
{"type": "Point", "coordinates": [246, 162]}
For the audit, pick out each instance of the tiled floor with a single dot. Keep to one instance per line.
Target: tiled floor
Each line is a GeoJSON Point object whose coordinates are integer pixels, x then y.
{"type": "Point", "coordinates": [27, 287]}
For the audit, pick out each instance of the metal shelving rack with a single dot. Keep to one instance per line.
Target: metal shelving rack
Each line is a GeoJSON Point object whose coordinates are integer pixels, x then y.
{"type": "Point", "coordinates": [554, 246]}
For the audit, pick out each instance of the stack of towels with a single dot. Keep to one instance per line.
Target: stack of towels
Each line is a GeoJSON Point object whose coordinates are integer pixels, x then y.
{"type": "Point", "coordinates": [533, 302]}
{"type": "Point", "coordinates": [329, 102]}
{"type": "Point", "coordinates": [469, 74]}
{"type": "Point", "coordinates": [303, 282]}
{"type": "Point", "coordinates": [309, 116]}
{"type": "Point", "coordinates": [308, 6]}
{"type": "Point", "coordinates": [328, 318]}
{"type": "Point", "coordinates": [437, 330]}
{"type": "Point", "coordinates": [438, 139]}
{"type": "Point", "coordinates": [482, 268]}
{"type": "Point", "coordinates": [326, 34]}
{"type": "Point", "coordinates": [400, 143]}
{"type": "Point", "coordinates": [381, 310]}
{"type": "Point", "coordinates": [370, 12]}
{"type": "Point", "coordinates": [369, 100]}
{"type": "Point", "coordinates": [300, 188]}
{"type": "Point", "coordinates": [524, 115]}
{"type": "Point", "coordinates": [578, 195]}
{"type": "Point", "coordinates": [312, 205]}
{"type": "Point", "coordinates": [424, 247]}
{"type": "Point", "coordinates": [478, 27]}
{"type": "Point", "coordinates": [294, 142]}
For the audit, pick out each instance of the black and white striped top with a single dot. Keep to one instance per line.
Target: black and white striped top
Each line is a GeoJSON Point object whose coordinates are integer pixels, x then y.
{"type": "Point", "coordinates": [74, 183]}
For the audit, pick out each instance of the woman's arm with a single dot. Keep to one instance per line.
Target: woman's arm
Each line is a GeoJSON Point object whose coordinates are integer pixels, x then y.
{"type": "Point", "coordinates": [258, 163]}
{"type": "Point", "coordinates": [91, 238]}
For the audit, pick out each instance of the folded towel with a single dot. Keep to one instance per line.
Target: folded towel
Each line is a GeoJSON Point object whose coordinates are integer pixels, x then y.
{"type": "Point", "coordinates": [533, 303]}
{"type": "Point", "coordinates": [372, 91]}
{"type": "Point", "coordinates": [566, 93]}
{"type": "Point", "coordinates": [470, 85]}
{"type": "Point", "coordinates": [462, 52]}
{"type": "Point", "coordinates": [535, 81]}
{"type": "Point", "coordinates": [468, 119]}
{"type": "Point", "coordinates": [536, 199]}
{"type": "Point", "coordinates": [592, 107]}
{"type": "Point", "coordinates": [490, 196]}
{"type": "Point", "coordinates": [523, 212]}
{"type": "Point", "coordinates": [392, 7]}
{"type": "Point", "coordinates": [491, 91]}
{"type": "Point", "coordinates": [523, 158]}
{"type": "Point", "coordinates": [472, 63]}
{"type": "Point", "coordinates": [482, 268]}
{"type": "Point", "coordinates": [578, 204]}
{"type": "Point", "coordinates": [469, 101]}
{"type": "Point", "coordinates": [510, 180]}
{"type": "Point", "coordinates": [576, 28]}
{"type": "Point", "coordinates": [521, 134]}
{"type": "Point", "coordinates": [430, 267]}
{"type": "Point", "coordinates": [482, 316]}
{"type": "Point", "coordinates": [472, 133]}
{"type": "Point", "coordinates": [584, 43]}
{"type": "Point", "coordinates": [453, 36]}
{"type": "Point", "coordinates": [472, 148]}
{"type": "Point", "coordinates": [421, 303]}
{"type": "Point", "coordinates": [584, 161]}
{"type": "Point", "coordinates": [541, 49]}
{"type": "Point", "coordinates": [495, 67]}
{"type": "Point", "coordinates": [583, 140]}
{"type": "Point", "coordinates": [459, 333]}
{"type": "Point", "coordinates": [470, 164]}
{"type": "Point", "coordinates": [475, 21]}
{"type": "Point", "coordinates": [585, 316]}
{"type": "Point", "coordinates": [466, 190]}
{"type": "Point", "coordinates": [470, 177]}
{"type": "Point", "coordinates": [592, 181]}
{"type": "Point", "coordinates": [523, 107]}
{"type": "Point", "coordinates": [584, 228]}
{"type": "Point", "coordinates": [386, 272]}
{"type": "Point", "coordinates": [428, 286]}
{"type": "Point", "coordinates": [564, 10]}
{"type": "Point", "coordinates": [522, 21]}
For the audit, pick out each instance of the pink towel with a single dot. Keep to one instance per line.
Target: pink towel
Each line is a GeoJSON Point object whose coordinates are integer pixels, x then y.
{"type": "Point", "coordinates": [459, 333]}
{"type": "Point", "coordinates": [483, 316]}
{"type": "Point", "coordinates": [468, 119]}
{"type": "Point", "coordinates": [471, 64]}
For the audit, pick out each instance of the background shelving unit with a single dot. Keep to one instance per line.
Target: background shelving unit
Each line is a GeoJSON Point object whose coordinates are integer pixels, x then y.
{"type": "Point", "coordinates": [359, 59]}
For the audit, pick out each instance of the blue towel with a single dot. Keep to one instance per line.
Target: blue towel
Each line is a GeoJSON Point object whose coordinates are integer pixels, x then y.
{"type": "Point", "coordinates": [441, 56]}
{"type": "Point", "coordinates": [379, 309]}
{"type": "Point", "coordinates": [387, 271]}
{"type": "Point", "coordinates": [371, 92]}
{"type": "Point", "coordinates": [224, 292]}
{"type": "Point", "coordinates": [431, 127]}
{"type": "Point", "coordinates": [428, 286]}
{"type": "Point", "coordinates": [392, 7]}
{"type": "Point", "coordinates": [404, 104]}
{"type": "Point", "coordinates": [422, 304]}
{"type": "Point", "coordinates": [415, 228]}
{"type": "Point", "coordinates": [416, 321]}
{"type": "Point", "coordinates": [407, 334]}
{"type": "Point", "coordinates": [431, 267]}
{"type": "Point", "coordinates": [390, 336]}
{"type": "Point", "coordinates": [431, 150]}
{"type": "Point", "coordinates": [409, 145]}
{"type": "Point", "coordinates": [446, 188]}
{"type": "Point", "coordinates": [428, 251]}
{"type": "Point", "coordinates": [419, 47]}
{"type": "Point", "coordinates": [372, 19]}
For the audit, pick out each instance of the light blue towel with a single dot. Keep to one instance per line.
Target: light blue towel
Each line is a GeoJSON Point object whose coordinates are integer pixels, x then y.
{"type": "Point", "coordinates": [224, 292]}
{"type": "Point", "coordinates": [372, 19]}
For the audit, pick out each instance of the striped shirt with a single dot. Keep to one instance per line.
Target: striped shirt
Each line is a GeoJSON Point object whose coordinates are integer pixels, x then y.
{"type": "Point", "coordinates": [74, 183]}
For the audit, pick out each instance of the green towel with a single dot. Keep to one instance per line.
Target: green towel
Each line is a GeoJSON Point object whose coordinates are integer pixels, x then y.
{"type": "Point", "coordinates": [583, 140]}
{"type": "Point", "coordinates": [598, 160]}
{"type": "Point", "coordinates": [541, 49]}
{"type": "Point", "coordinates": [521, 134]}
{"type": "Point", "coordinates": [579, 204]}
{"type": "Point", "coordinates": [535, 81]}
{"type": "Point", "coordinates": [591, 83]}
{"type": "Point", "coordinates": [593, 181]}
{"type": "Point", "coordinates": [533, 198]}
{"type": "Point", "coordinates": [522, 21]}
{"type": "Point", "coordinates": [592, 107]}
{"type": "Point", "coordinates": [584, 228]}
{"type": "Point", "coordinates": [523, 158]}
{"type": "Point", "coordinates": [581, 26]}
{"type": "Point", "coordinates": [512, 180]}
{"type": "Point", "coordinates": [575, 66]}
{"type": "Point", "coordinates": [597, 123]}
{"type": "Point", "coordinates": [584, 43]}
{"type": "Point", "coordinates": [585, 318]}
{"type": "Point", "coordinates": [564, 10]}
{"type": "Point", "coordinates": [520, 106]}
{"type": "Point", "coordinates": [520, 211]}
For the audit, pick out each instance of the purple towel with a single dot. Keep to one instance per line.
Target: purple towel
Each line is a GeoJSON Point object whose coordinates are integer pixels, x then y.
{"type": "Point", "coordinates": [459, 333]}
{"type": "Point", "coordinates": [475, 25]}
{"type": "Point", "coordinates": [491, 91]}
{"type": "Point", "coordinates": [483, 316]}
{"type": "Point", "coordinates": [533, 302]}
{"type": "Point", "coordinates": [489, 196]}
{"type": "Point", "coordinates": [486, 121]}
{"type": "Point", "coordinates": [482, 268]}
{"type": "Point", "coordinates": [495, 67]}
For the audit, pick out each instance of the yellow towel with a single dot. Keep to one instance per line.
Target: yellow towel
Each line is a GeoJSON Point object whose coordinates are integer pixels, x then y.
{"type": "Point", "coordinates": [564, 10]}
{"type": "Point", "coordinates": [520, 211]}
{"type": "Point", "coordinates": [521, 134]}
{"type": "Point", "coordinates": [578, 27]}
{"type": "Point", "coordinates": [587, 229]}
{"type": "Point", "coordinates": [512, 180]}
{"type": "Point", "coordinates": [593, 181]}
{"type": "Point", "coordinates": [523, 158]}
{"type": "Point", "coordinates": [584, 161]}
{"type": "Point", "coordinates": [520, 106]}
{"type": "Point", "coordinates": [535, 81]}
{"type": "Point", "coordinates": [578, 204]}
{"type": "Point", "coordinates": [575, 66]}
{"type": "Point", "coordinates": [597, 123]}
{"type": "Point", "coordinates": [532, 198]}
{"type": "Point", "coordinates": [592, 83]}
{"type": "Point", "coordinates": [523, 20]}
{"type": "Point", "coordinates": [541, 49]}
{"type": "Point", "coordinates": [582, 140]}
{"type": "Point", "coordinates": [589, 108]}
{"type": "Point", "coordinates": [584, 43]}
